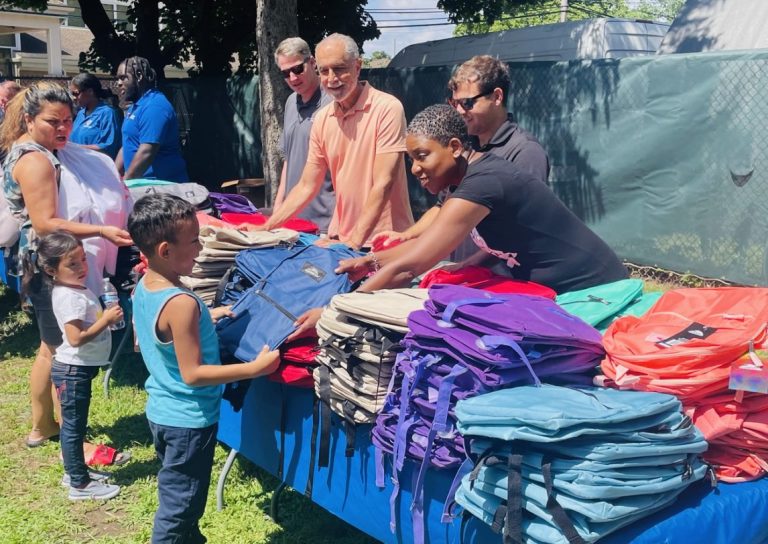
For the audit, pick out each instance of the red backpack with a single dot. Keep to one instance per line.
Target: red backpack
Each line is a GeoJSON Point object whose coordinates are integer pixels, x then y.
{"type": "Point", "coordinates": [687, 341]}
{"type": "Point", "coordinates": [297, 359]}
{"type": "Point", "coordinates": [482, 278]}
{"type": "Point", "coordinates": [295, 223]}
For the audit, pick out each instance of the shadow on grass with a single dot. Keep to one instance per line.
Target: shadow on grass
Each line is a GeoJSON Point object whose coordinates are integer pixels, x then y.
{"type": "Point", "coordinates": [126, 430]}
{"type": "Point", "coordinates": [301, 521]}
{"type": "Point", "coordinates": [18, 332]}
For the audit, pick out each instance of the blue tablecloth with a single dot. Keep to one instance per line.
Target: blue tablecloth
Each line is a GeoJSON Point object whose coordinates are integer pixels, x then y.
{"type": "Point", "coordinates": [728, 514]}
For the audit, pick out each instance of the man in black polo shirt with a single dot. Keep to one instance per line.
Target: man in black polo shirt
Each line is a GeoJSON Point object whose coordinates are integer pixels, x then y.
{"type": "Point", "coordinates": [479, 93]}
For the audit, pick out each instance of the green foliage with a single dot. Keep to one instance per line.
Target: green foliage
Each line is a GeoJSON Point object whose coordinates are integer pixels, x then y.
{"type": "Point", "coordinates": [522, 13]}
{"type": "Point", "coordinates": [213, 34]}
{"type": "Point", "coordinates": [38, 5]}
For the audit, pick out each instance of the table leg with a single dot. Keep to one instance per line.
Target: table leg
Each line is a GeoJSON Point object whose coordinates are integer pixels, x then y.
{"type": "Point", "coordinates": [223, 478]}
{"type": "Point", "coordinates": [118, 352]}
{"type": "Point", "coordinates": [275, 498]}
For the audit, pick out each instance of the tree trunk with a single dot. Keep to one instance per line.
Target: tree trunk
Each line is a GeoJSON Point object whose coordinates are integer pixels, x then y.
{"type": "Point", "coordinates": [275, 21]}
{"type": "Point", "coordinates": [106, 40]}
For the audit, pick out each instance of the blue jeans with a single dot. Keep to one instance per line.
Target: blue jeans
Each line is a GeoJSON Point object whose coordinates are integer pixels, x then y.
{"type": "Point", "coordinates": [73, 387]}
{"type": "Point", "coordinates": [182, 483]}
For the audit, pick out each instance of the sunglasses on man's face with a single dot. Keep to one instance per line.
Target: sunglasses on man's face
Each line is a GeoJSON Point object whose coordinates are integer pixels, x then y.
{"type": "Point", "coordinates": [467, 103]}
{"type": "Point", "coordinates": [295, 70]}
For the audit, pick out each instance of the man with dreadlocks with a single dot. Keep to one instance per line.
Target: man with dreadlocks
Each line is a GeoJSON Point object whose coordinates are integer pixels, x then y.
{"type": "Point", "coordinates": [150, 130]}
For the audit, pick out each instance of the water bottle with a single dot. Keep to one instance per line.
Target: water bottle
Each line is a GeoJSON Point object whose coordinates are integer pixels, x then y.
{"type": "Point", "coordinates": [109, 298]}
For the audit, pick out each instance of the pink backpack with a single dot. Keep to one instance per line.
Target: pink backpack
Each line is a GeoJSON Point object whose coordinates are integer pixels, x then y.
{"type": "Point", "coordinates": [737, 433]}
{"type": "Point", "coordinates": [686, 342]}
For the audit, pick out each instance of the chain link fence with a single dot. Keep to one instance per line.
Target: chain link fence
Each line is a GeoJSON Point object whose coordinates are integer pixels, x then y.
{"type": "Point", "coordinates": [666, 157]}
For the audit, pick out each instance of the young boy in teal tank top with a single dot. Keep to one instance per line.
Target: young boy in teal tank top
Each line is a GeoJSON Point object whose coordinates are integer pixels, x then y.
{"type": "Point", "coordinates": [175, 332]}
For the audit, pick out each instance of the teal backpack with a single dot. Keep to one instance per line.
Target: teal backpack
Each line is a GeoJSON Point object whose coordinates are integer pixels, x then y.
{"type": "Point", "coordinates": [601, 305]}
{"type": "Point", "coordinates": [571, 465]}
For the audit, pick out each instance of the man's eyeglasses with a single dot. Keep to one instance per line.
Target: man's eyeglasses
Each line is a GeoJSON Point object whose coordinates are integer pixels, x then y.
{"type": "Point", "coordinates": [74, 94]}
{"type": "Point", "coordinates": [295, 70]}
{"type": "Point", "coordinates": [467, 103]}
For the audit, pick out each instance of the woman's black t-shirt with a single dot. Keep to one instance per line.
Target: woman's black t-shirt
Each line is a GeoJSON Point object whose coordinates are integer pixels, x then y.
{"type": "Point", "coordinates": [552, 246]}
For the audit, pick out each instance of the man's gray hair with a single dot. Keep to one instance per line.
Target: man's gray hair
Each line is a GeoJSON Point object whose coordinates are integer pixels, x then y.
{"type": "Point", "coordinates": [350, 46]}
{"type": "Point", "coordinates": [439, 122]}
{"type": "Point", "coordinates": [293, 47]}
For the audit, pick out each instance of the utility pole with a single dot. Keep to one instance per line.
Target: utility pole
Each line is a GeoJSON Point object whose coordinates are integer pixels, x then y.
{"type": "Point", "coordinates": [563, 10]}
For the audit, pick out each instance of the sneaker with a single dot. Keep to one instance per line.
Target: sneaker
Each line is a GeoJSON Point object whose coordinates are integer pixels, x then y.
{"type": "Point", "coordinates": [94, 475]}
{"type": "Point", "coordinates": [94, 490]}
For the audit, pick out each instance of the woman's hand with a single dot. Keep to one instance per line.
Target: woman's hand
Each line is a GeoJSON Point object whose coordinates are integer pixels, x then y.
{"type": "Point", "coordinates": [387, 238]}
{"type": "Point", "coordinates": [221, 311]}
{"type": "Point", "coordinates": [356, 268]}
{"type": "Point", "coordinates": [117, 236]}
{"type": "Point", "coordinates": [305, 323]}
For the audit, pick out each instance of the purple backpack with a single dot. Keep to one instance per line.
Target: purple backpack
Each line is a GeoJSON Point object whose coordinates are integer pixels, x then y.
{"type": "Point", "coordinates": [468, 342]}
{"type": "Point", "coordinates": [231, 203]}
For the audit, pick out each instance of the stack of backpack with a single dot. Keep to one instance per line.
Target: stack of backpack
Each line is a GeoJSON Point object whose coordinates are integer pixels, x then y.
{"type": "Point", "coordinates": [686, 345]}
{"type": "Point", "coordinates": [271, 288]}
{"type": "Point", "coordinates": [464, 343]}
{"type": "Point", "coordinates": [220, 247]}
{"type": "Point", "coordinates": [359, 335]}
{"type": "Point", "coordinates": [603, 304]}
{"type": "Point", "coordinates": [571, 465]}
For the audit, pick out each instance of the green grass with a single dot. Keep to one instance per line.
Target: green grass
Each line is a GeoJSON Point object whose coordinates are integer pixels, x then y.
{"type": "Point", "coordinates": [34, 508]}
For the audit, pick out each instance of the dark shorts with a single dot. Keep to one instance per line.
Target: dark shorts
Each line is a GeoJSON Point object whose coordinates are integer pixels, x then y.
{"type": "Point", "coordinates": [40, 298]}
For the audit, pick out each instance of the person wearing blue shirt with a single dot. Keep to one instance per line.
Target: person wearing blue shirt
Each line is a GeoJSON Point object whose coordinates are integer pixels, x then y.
{"type": "Point", "coordinates": [150, 129]}
{"type": "Point", "coordinates": [97, 124]}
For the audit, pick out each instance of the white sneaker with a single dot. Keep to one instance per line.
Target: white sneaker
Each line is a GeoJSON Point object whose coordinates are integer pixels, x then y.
{"type": "Point", "coordinates": [94, 490]}
{"type": "Point", "coordinates": [93, 474]}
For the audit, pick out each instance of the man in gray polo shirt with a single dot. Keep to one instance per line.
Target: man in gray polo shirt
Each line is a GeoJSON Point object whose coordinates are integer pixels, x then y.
{"type": "Point", "coordinates": [298, 67]}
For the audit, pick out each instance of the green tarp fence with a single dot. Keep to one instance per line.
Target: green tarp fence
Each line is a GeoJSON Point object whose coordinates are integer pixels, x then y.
{"type": "Point", "coordinates": [663, 156]}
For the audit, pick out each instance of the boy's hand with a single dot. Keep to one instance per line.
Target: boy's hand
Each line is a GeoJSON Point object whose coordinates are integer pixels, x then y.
{"type": "Point", "coordinates": [266, 362]}
{"type": "Point", "coordinates": [113, 314]}
{"type": "Point", "coordinates": [221, 311]}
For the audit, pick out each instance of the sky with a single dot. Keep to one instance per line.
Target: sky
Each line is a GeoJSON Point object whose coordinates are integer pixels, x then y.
{"type": "Point", "coordinates": [405, 12]}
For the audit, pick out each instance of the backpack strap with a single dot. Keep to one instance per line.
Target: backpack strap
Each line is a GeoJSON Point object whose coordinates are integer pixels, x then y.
{"type": "Point", "coordinates": [283, 409]}
{"type": "Point", "coordinates": [221, 287]}
{"type": "Point", "coordinates": [446, 319]}
{"type": "Point", "coordinates": [350, 427]}
{"type": "Point", "coordinates": [513, 516]}
{"type": "Point", "coordinates": [313, 446]}
{"type": "Point", "coordinates": [324, 392]}
{"type": "Point", "coordinates": [562, 520]}
{"type": "Point", "coordinates": [450, 503]}
{"type": "Point", "coordinates": [489, 342]}
{"type": "Point", "coordinates": [439, 425]}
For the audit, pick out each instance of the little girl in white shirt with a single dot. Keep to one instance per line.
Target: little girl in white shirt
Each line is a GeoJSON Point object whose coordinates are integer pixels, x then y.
{"type": "Point", "coordinates": [86, 345]}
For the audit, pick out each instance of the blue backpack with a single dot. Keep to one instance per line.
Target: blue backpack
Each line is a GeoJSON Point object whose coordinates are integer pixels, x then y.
{"type": "Point", "coordinates": [283, 283]}
{"type": "Point", "coordinates": [571, 465]}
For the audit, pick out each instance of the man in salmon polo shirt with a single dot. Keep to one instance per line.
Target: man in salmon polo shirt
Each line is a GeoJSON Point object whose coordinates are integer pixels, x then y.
{"type": "Point", "coordinates": [360, 138]}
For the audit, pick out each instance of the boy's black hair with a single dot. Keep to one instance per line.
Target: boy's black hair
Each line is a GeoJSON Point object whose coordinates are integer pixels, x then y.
{"type": "Point", "coordinates": [155, 218]}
